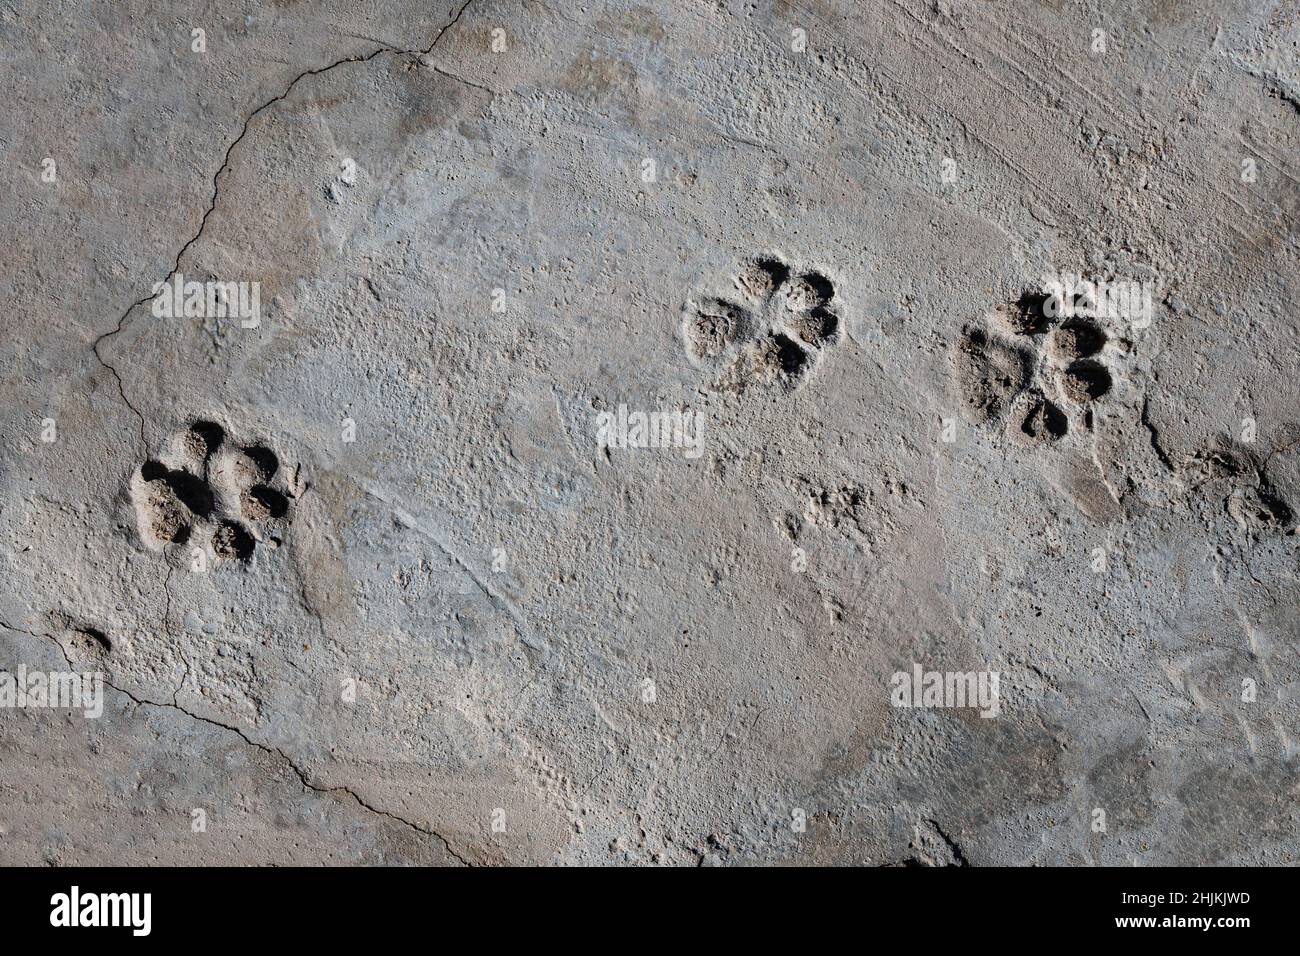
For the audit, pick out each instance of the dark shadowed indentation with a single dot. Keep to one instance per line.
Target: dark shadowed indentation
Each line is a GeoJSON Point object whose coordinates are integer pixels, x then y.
{"type": "Point", "coordinates": [260, 503]}
{"type": "Point", "coordinates": [232, 542]}
{"type": "Point", "coordinates": [263, 460]}
{"type": "Point", "coordinates": [760, 277]}
{"type": "Point", "coordinates": [816, 328]}
{"type": "Point", "coordinates": [790, 357]}
{"type": "Point", "coordinates": [1078, 338]}
{"type": "Point", "coordinates": [821, 285]}
{"type": "Point", "coordinates": [1085, 381]}
{"type": "Point", "coordinates": [1045, 421]}
{"type": "Point", "coordinates": [1273, 509]}
{"type": "Point", "coordinates": [94, 639]}
{"type": "Point", "coordinates": [1028, 314]}
{"type": "Point", "coordinates": [204, 438]}
{"type": "Point", "coordinates": [190, 491]}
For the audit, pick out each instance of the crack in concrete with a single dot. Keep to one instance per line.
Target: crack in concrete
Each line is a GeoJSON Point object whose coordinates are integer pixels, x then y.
{"type": "Point", "coordinates": [288, 761]}
{"type": "Point", "coordinates": [99, 342]}
{"type": "Point", "coordinates": [1155, 436]}
{"type": "Point", "coordinates": [225, 165]}
{"type": "Point", "coordinates": [953, 845]}
{"type": "Point", "coordinates": [179, 687]}
{"type": "Point", "coordinates": [167, 608]}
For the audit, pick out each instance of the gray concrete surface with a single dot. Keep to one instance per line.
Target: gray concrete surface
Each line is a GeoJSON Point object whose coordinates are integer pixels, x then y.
{"type": "Point", "coordinates": [366, 586]}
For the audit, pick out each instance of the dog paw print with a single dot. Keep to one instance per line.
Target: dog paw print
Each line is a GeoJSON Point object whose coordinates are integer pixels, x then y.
{"type": "Point", "coordinates": [1032, 370]}
{"type": "Point", "coordinates": [775, 333]}
{"type": "Point", "coordinates": [207, 487]}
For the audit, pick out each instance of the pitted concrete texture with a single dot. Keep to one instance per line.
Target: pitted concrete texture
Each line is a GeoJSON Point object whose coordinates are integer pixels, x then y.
{"type": "Point", "coordinates": [363, 580]}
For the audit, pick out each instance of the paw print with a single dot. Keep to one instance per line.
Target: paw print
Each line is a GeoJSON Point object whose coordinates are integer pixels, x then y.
{"type": "Point", "coordinates": [774, 335]}
{"type": "Point", "coordinates": [1032, 371]}
{"type": "Point", "coordinates": [207, 486]}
